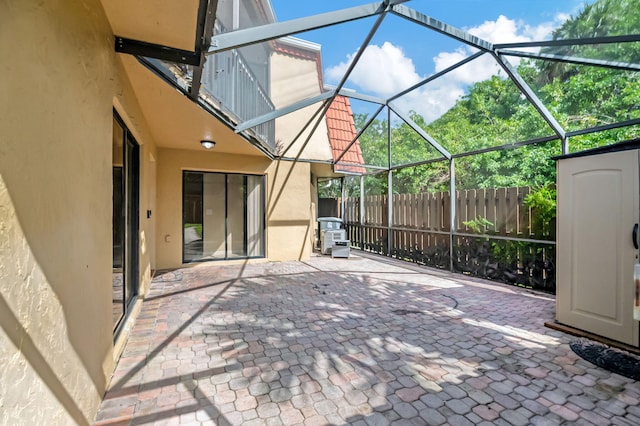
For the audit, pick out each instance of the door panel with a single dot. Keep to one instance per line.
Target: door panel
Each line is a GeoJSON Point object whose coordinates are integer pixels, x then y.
{"type": "Point", "coordinates": [132, 205]}
{"type": "Point", "coordinates": [213, 215]}
{"type": "Point", "coordinates": [597, 209]}
{"type": "Point", "coordinates": [223, 216]}
{"type": "Point", "coordinates": [126, 193]}
{"type": "Point", "coordinates": [236, 216]}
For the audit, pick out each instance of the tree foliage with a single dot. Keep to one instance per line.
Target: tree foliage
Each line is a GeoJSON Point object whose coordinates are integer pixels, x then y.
{"type": "Point", "coordinates": [495, 113]}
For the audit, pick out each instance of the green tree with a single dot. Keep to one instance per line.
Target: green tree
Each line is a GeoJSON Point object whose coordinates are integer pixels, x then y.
{"type": "Point", "coordinates": [495, 113]}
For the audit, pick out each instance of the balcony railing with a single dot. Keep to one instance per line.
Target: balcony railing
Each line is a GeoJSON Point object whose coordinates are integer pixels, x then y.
{"type": "Point", "coordinates": [228, 79]}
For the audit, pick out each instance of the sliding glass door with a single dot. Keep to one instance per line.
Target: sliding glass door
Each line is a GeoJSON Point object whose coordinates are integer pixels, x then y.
{"type": "Point", "coordinates": [125, 220]}
{"type": "Point", "coordinates": [223, 216]}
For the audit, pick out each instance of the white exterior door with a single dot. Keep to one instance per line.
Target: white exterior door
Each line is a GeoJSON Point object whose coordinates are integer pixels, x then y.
{"type": "Point", "coordinates": [597, 210]}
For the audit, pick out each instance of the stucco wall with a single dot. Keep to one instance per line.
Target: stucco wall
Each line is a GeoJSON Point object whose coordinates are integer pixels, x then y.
{"type": "Point", "coordinates": [294, 79]}
{"type": "Point", "coordinates": [59, 79]}
{"type": "Point", "coordinates": [126, 104]}
{"type": "Point", "coordinates": [289, 211]}
{"type": "Point", "coordinates": [288, 201]}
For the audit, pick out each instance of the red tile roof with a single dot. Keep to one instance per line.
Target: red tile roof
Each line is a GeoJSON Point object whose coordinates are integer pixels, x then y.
{"type": "Point", "coordinates": [342, 130]}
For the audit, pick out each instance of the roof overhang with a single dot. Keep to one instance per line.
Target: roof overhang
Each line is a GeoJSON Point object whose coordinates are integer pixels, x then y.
{"type": "Point", "coordinates": [163, 22]}
{"type": "Point", "coordinates": [174, 120]}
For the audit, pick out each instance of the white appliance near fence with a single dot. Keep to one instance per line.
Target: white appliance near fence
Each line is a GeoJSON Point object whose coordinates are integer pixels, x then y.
{"type": "Point", "coordinates": [329, 236]}
{"type": "Point", "coordinates": [341, 248]}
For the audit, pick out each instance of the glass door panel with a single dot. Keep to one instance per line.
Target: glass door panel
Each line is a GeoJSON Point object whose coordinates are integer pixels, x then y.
{"type": "Point", "coordinates": [118, 223]}
{"type": "Point", "coordinates": [192, 196]}
{"type": "Point", "coordinates": [213, 216]}
{"type": "Point", "coordinates": [132, 220]}
{"type": "Point", "coordinates": [125, 177]}
{"type": "Point", "coordinates": [223, 216]}
{"type": "Point", "coordinates": [236, 216]}
{"type": "Point", "coordinates": [255, 216]}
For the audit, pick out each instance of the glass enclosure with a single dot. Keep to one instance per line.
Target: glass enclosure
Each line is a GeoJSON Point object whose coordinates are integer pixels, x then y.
{"type": "Point", "coordinates": [444, 124]}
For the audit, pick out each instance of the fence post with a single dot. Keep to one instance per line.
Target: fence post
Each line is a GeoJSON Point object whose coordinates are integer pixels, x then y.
{"type": "Point", "coordinates": [501, 211]}
{"type": "Point", "coordinates": [512, 211]}
{"type": "Point", "coordinates": [452, 204]}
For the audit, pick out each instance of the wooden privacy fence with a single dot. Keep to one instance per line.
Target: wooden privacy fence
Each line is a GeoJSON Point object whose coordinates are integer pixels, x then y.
{"type": "Point", "coordinates": [421, 225]}
{"type": "Point", "coordinates": [504, 208]}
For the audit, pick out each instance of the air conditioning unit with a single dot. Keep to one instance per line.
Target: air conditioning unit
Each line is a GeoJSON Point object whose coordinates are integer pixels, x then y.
{"type": "Point", "coordinates": [341, 248]}
{"type": "Point", "coordinates": [329, 236]}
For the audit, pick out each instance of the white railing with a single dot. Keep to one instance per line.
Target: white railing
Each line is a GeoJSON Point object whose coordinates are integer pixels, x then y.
{"type": "Point", "coordinates": [229, 80]}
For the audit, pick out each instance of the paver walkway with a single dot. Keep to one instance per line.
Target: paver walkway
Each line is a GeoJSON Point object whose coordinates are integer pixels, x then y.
{"type": "Point", "coordinates": [360, 341]}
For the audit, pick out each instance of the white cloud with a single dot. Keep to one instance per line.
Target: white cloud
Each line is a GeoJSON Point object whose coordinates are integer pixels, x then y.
{"type": "Point", "coordinates": [502, 30]}
{"type": "Point", "coordinates": [446, 59]}
{"type": "Point", "coordinates": [479, 70]}
{"type": "Point", "coordinates": [386, 70]}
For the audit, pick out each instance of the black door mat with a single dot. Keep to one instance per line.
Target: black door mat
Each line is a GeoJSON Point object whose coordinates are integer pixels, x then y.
{"type": "Point", "coordinates": [612, 359]}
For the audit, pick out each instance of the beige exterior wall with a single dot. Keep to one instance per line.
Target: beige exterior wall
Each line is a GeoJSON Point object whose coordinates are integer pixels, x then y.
{"type": "Point", "coordinates": [59, 89]}
{"type": "Point", "coordinates": [287, 211]}
{"type": "Point", "coordinates": [126, 105]}
{"type": "Point", "coordinates": [294, 79]}
{"type": "Point", "coordinates": [60, 82]}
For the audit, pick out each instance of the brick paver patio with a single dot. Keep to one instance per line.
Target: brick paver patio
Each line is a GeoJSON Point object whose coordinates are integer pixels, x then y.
{"type": "Point", "coordinates": [362, 341]}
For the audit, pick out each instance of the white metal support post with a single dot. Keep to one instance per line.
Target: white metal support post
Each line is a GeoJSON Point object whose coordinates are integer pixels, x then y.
{"type": "Point", "coordinates": [452, 209]}
{"type": "Point", "coordinates": [390, 210]}
{"type": "Point", "coordinates": [389, 188]}
{"type": "Point", "coordinates": [362, 212]}
{"type": "Point", "coordinates": [342, 199]}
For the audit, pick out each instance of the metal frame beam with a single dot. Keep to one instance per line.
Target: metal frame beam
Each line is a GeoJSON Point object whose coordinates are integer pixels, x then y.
{"type": "Point", "coordinates": [282, 111]}
{"type": "Point", "coordinates": [319, 114]}
{"type": "Point", "coordinates": [206, 107]}
{"type": "Point", "coordinates": [437, 75]}
{"type": "Point", "coordinates": [352, 65]}
{"type": "Point", "coordinates": [157, 51]}
{"type": "Point", "coordinates": [484, 150]}
{"type": "Point", "coordinates": [205, 8]}
{"type": "Point", "coordinates": [571, 42]}
{"type": "Point", "coordinates": [206, 43]}
{"type": "Point", "coordinates": [362, 210]}
{"type": "Point", "coordinates": [420, 163]}
{"type": "Point", "coordinates": [377, 169]}
{"type": "Point", "coordinates": [361, 97]}
{"type": "Point", "coordinates": [304, 129]}
{"type": "Point", "coordinates": [605, 127]}
{"type": "Point", "coordinates": [452, 209]}
{"type": "Point", "coordinates": [530, 95]}
{"type": "Point", "coordinates": [441, 27]}
{"type": "Point", "coordinates": [364, 128]}
{"type": "Point", "coordinates": [304, 160]}
{"type": "Point", "coordinates": [206, 20]}
{"type": "Point", "coordinates": [422, 133]}
{"type": "Point", "coordinates": [390, 218]}
{"type": "Point", "coordinates": [240, 38]}
{"type": "Point", "coordinates": [626, 66]}
{"type": "Point", "coordinates": [507, 146]}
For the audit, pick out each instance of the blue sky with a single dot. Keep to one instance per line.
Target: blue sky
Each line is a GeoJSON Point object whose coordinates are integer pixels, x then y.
{"type": "Point", "coordinates": [403, 53]}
